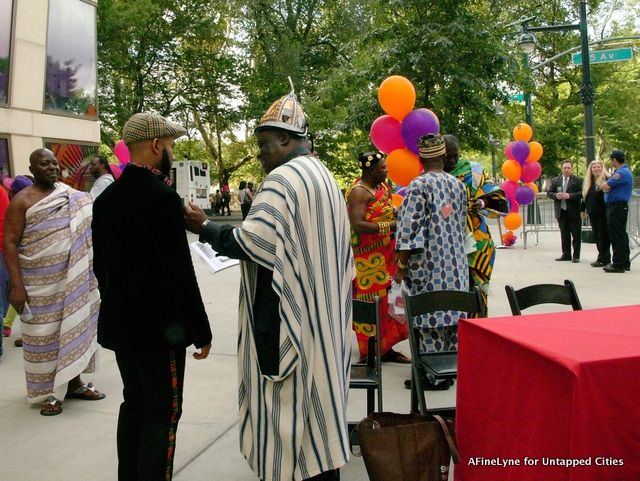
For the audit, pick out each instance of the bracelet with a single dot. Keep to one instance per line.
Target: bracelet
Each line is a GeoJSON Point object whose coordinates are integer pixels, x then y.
{"type": "Point", "coordinates": [384, 228]}
{"type": "Point", "coordinates": [204, 224]}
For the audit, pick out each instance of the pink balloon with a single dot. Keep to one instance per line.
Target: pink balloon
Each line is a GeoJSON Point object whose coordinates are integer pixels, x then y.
{"type": "Point", "coordinates": [530, 171]}
{"type": "Point", "coordinates": [121, 151]}
{"type": "Point", "coordinates": [507, 151]}
{"type": "Point", "coordinates": [514, 206]}
{"type": "Point", "coordinates": [115, 168]}
{"type": "Point", "coordinates": [509, 188]}
{"type": "Point", "coordinates": [385, 134]}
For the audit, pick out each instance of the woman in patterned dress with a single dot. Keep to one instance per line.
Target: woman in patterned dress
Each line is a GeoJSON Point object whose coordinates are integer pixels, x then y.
{"type": "Point", "coordinates": [372, 218]}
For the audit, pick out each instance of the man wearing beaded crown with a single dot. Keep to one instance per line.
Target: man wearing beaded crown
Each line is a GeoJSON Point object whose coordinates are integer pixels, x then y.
{"type": "Point", "coordinates": [294, 347]}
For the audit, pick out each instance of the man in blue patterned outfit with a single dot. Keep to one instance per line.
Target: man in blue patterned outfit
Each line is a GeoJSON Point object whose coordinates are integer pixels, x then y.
{"type": "Point", "coordinates": [430, 234]}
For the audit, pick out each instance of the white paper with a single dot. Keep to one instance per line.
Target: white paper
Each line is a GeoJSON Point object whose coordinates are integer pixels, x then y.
{"type": "Point", "coordinates": [214, 261]}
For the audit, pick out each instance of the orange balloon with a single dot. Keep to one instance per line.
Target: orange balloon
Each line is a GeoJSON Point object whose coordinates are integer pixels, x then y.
{"type": "Point", "coordinates": [403, 166]}
{"type": "Point", "coordinates": [535, 152]}
{"type": "Point", "coordinates": [522, 131]}
{"type": "Point", "coordinates": [397, 96]}
{"type": "Point", "coordinates": [533, 186]}
{"type": "Point", "coordinates": [513, 221]}
{"type": "Point", "coordinates": [511, 169]}
{"type": "Point", "coordinates": [396, 200]}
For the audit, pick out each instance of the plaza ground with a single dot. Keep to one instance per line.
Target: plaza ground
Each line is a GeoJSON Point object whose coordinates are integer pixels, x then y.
{"type": "Point", "coordinates": [80, 443]}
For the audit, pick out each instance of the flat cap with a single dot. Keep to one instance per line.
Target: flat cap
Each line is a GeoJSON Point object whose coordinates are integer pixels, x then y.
{"type": "Point", "coordinates": [146, 126]}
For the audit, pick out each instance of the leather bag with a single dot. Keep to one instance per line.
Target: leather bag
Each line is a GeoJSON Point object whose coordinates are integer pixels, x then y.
{"type": "Point", "coordinates": [407, 447]}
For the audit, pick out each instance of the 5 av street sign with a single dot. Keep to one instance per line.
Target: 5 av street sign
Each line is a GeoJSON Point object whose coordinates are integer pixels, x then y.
{"type": "Point", "coordinates": [604, 56]}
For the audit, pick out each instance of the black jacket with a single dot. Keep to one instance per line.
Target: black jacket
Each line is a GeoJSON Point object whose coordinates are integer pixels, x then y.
{"type": "Point", "coordinates": [593, 203]}
{"type": "Point", "coordinates": [574, 189]}
{"type": "Point", "coordinates": [150, 298]}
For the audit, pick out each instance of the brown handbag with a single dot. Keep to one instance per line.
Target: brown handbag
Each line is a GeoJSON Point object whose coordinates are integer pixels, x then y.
{"type": "Point", "coordinates": [407, 447]}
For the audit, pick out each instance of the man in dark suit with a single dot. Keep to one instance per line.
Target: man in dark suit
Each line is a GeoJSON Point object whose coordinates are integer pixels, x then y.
{"type": "Point", "coordinates": [566, 192]}
{"type": "Point", "coordinates": [151, 308]}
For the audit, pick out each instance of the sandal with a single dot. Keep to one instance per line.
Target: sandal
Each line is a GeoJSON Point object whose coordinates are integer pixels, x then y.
{"type": "Point", "coordinates": [395, 356]}
{"type": "Point", "coordinates": [86, 392]}
{"type": "Point", "coordinates": [51, 407]}
{"type": "Point", "coordinates": [17, 343]}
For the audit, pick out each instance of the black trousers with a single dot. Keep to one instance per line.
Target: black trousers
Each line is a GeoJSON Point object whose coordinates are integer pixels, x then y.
{"type": "Point", "coordinates": [598, 222]}
{"type": "Point", "coordinates": [333, 475]}
{"type": "Point", "coordinates": [150, 413]}
{"type": "Point", "coordinates": [617, 213]}
{"type": "Point", "coordinates": [570, 227]}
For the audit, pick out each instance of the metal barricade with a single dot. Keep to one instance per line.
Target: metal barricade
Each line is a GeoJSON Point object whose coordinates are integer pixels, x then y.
{"type": "Point", "coordinates": [539, 216]}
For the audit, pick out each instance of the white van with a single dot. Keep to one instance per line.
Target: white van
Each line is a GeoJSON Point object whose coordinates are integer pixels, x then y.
{"type": "Point", "coordinates": [192, 182]}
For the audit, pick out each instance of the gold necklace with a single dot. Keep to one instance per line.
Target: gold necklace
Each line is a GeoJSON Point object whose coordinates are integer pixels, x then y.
{"type": "Point", "coordinates": [360, 184]}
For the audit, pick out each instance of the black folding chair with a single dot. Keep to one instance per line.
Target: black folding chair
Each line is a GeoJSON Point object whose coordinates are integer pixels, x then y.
{"type": "Point", "coordinates": [441, 366]}
{"type": "Point", "coordinates": [542, 294]}
{"type": "Point", "coordinates": [368, 375]}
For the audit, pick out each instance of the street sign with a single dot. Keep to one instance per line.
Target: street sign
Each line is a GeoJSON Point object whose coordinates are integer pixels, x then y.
{"type": "Point", "coordinates": [516, 98]}
{"type": "Point", "coordinates": [604, 56]}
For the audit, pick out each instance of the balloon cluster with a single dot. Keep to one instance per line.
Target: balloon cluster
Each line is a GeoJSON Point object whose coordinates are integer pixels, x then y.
{"type": "Point", "coordinates": [508, 238]}
{"type": "Point", "coordinates": [397, 133]}
{"type": "Point", "coordinates": [521, 169]}
{"type": "Point", "coordinates": [121, 151]}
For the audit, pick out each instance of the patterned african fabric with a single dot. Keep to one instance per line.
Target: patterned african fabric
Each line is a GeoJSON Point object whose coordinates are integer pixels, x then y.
{"type": "Point", "coordinates": [375, 268]}
{"type": "Point", "coordinates": [483, 254]}
{"type": "Point", "coordinates": [431, 224]}
{"type": "Point", "coordinates": [293, 423]}
{"type": "Point", "coordinates": [59, 324]}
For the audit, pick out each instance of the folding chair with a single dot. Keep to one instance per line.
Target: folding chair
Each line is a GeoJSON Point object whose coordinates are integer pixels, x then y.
{"type": "Point", "coordinates": [368, 375]}
{"type": "Point", "coordinates": [542, 294]}
{"type": "Point", "coordinates": [439, 365]}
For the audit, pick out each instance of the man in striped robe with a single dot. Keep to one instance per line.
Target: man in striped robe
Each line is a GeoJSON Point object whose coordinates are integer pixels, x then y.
{"type": "Point", "coordinates": [294, 344]}
{"type": "Point", "coordinates": [49, 257]}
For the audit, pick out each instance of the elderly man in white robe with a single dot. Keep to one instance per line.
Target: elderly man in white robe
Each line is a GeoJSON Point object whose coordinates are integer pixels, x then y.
{"type": "Point", "coordinates": [295, 306]}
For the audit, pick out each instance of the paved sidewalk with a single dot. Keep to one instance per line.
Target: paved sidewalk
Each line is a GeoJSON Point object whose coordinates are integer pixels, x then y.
{"type": "Point", "coordinates": [80, 443]}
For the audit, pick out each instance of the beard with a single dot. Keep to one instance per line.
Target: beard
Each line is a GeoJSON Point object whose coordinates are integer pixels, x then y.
{"type": "Point", "coordinates": [165, 163]}
{"type": "Point", "coordinates": [449, 165]}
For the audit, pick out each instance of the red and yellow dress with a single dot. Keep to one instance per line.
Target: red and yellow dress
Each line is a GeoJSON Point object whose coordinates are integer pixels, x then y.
{"type": "Point", "coordinates": [375, 268]}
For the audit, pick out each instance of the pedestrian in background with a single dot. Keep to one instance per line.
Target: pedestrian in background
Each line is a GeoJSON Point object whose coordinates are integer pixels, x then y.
{"type": "Point", "coordinates": [593, 205]}
{"type": "Point", "coordinates": [566, 192]}
{"type": "Point", "coordinates": [618, 190]}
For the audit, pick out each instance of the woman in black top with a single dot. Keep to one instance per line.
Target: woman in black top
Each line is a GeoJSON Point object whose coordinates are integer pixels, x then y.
{"type": "Point", "coordinates": [593, 204]}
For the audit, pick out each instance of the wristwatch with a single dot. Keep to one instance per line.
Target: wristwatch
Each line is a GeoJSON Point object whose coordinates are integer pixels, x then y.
{"type": "Point", "coordinates": [204, 224]}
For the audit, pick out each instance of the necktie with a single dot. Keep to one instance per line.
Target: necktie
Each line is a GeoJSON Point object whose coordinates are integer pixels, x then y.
{"type": "Point", "coordinates": [563, 203]}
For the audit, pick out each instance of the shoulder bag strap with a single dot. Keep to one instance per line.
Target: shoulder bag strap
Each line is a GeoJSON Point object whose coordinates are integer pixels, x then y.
{"type": "Point", "coordinates": [450, 441]}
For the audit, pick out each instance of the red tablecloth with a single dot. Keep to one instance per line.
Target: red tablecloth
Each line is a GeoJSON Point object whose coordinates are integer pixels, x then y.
{"type": "Point", "coordinates": [560, 387]}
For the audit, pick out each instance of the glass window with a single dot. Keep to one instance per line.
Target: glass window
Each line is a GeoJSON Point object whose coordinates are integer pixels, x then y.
{"type": "Point", "coordinates": [71, 58]}
{"type": "Point", "coordinates": [6, 7]}
{"type": "Point", "coordinates": [74, 161]}
{"type": "Point", "coordinates": [4, 159]}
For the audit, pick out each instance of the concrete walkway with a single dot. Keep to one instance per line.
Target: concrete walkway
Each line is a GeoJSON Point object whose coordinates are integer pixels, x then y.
{"type": "Point", "coordinates": [80, 443]}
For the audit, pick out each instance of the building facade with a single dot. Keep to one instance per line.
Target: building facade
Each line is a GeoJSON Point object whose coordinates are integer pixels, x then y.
{"type": "Point", "coordinates": [48, 83]}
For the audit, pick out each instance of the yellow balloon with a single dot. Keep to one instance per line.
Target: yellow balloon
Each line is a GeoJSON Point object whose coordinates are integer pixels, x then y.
{"type": "Point", "coordinates": [513, 221]}
{"type": "Point", "coordinates": [523, 132]}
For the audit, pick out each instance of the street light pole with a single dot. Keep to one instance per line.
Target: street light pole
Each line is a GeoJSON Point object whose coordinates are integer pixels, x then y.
{"type": "Point", "coordinates": [587, 90]}
{"type": "Point", "coordinates": [528, 108]}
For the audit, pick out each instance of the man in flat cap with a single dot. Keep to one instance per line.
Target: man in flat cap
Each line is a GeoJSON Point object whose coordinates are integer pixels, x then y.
{"type": "Point", "coordinates": [617, 191]}
{"type": "Point", "coordinates": [294, 346]}
{"type": "Point", "coordinates": [151, 307]}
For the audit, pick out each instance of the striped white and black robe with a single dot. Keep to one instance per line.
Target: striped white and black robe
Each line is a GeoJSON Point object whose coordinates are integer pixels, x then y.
{"type": "Point", "coordinates": [294, 343]}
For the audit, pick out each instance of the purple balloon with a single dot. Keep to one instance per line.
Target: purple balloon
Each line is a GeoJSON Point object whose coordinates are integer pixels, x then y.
{"type": "Point", "coordinates": [509, 188]}
{"type": "Point", "coordinates": [416, 124]}
{"type": "Point", "coordinates": [520, 151]}
{"type": "Point", "coordinates": [530, 172]}
{"type": "Point", "coordinates": [525, 195]}
{"type": "Point", "coordinates": [385, 134]}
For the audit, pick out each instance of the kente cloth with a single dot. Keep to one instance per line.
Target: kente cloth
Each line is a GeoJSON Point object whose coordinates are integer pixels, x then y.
{"type": "Point", "coordinates": [478, 185]}
{"type": "Point", "coordinates": [59, 324]}
{"type": "Point", "coordinates": [293, 422]}
{"type": "Point", "coordinates": [375, 268]}
{"type": "Point", "coordinates": [431, 224]}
